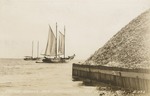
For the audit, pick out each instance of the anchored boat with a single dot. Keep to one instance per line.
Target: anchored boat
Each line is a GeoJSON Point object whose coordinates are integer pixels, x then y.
{"type": "Point", "coordinates": [55, 53]}
{"type": "Point", "coordinates": [31, 57]}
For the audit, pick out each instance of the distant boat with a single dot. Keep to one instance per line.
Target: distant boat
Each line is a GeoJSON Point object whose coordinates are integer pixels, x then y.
{"type": "Point", "coordinates": [54, 54]}
{"type": "Point", "coordinates": [31, 57]}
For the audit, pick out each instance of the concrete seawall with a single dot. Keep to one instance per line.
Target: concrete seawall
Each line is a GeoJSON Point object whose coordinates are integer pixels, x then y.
{"type": "Point", "coordinates": [135, 79]}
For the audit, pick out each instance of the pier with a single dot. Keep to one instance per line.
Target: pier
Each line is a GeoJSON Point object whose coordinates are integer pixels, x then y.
{"type": "Point", "coordinates": [133, 79]}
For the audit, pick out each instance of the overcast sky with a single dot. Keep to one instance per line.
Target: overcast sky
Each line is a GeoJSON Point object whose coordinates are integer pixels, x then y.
{"type": "Point", "coordinates": [89, 23]}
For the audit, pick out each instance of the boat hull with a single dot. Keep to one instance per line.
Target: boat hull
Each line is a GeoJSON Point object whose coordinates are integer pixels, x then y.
{"type": "Point", "coordinates": [58, 60]}
{"type": "Point", "coordinates": [31, 59]}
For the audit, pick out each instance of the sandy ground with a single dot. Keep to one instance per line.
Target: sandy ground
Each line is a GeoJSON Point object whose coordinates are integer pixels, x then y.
{"type": "Point", "coordinates": [27, 78]}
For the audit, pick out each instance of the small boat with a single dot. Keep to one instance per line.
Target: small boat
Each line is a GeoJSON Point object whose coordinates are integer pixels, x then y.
{"type": "Point", "coordinates": [54, 54]}
{"type": "Point", "coordinates": [31, 57]}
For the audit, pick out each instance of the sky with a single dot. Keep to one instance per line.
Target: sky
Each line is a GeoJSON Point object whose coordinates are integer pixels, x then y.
{"type": "Point", "coordinates": [89, 24]}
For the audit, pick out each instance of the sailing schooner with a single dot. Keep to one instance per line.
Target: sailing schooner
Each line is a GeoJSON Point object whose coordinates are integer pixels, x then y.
{"type": "Point", "coordinates": [31, 57]}
{"type": "Point", "coordinates": [52, 55]}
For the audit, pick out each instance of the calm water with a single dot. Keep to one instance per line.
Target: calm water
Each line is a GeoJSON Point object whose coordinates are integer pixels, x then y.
{"type": "Point", "coordinates": [27, 78]}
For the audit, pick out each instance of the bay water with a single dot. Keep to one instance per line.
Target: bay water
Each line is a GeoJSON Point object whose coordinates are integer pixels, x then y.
{"type": "Point", "coordinates": [27, 78]}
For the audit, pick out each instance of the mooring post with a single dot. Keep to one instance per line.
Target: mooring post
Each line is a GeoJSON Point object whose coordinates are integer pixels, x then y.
{"type": "Point", "coordinates": [90, 74]}
{"type": "Point", "coordinates": [121, 79]}
{"type": "Point", "coordinates": [137, 83]}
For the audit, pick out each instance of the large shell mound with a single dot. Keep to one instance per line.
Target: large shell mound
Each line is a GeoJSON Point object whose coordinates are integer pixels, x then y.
{"type": "Point", "coordinates": [129, 48]}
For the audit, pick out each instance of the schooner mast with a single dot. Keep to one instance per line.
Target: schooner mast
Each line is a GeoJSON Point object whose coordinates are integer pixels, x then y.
{"type": "Point", "coordinates": [32, 48]}
{"type": "Point", "coordinates": [64, 40]}
{"type": "Point", "coordinates": [56, 41]}
{"type": "Point", "coordinates": [38, 49]}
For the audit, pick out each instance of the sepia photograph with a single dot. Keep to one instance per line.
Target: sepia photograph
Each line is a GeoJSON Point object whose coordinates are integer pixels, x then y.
{"type": "Point", "coordinates": [74, 47]}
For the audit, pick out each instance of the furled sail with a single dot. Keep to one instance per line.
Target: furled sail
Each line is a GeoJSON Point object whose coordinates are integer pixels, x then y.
{"type": "Point", "coordinates": [51, 48]}
{"type": "Point", "coordinates": [61, 46]}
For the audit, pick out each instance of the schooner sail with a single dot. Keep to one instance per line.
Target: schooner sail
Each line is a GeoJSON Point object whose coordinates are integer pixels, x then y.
{"type": "Point", "coordinates": [51, 48]}
{"type": "Point", "coordinates": [61, 46]}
